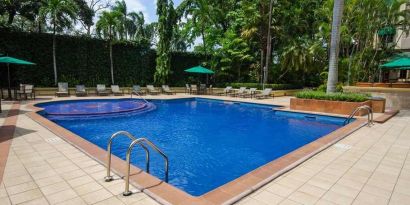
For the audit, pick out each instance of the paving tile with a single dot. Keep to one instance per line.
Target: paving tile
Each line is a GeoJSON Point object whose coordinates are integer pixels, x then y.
{"type": "Point", "coordinates": [96, 196]}
{"type": "Point", "coordinates": [5, 201]}
{"type": "Point", "coordinates": [80, 180]}
{"type": "Point", "coordinates": [138, 196]}
{"type": "Point", "coordinates": [61, 196]}
{"type": "Point", "coordinates": [303, 198]}
{"type": "Point", "coordinates": [365, 198]}
{"type": "Point", "coordinates": [399, 198]}
{"type": "Point", "coordinates": [73, 201]}
{"type": "Point", "coordinates": [337, 198]}
{"type": "Point", "coordinates": [12, 181]}
{"type": "Point", "coordinates": [38, 201]}
{"type": "Point", "coordinates": [268, 198]}
{"type": "Point", "coordinates": [54, 188]}
{"type": "Point", "coordinates": [289, 202]}
{"type": "Point", "coordinates": [279, 189]}
{"type": "Point", "coordinates": [110, 201]}
{"type": "Point", "coordinates": [146, 201]}
{"type": "Point", "coordinates": [26, 196]}
{"type": "Point", "coordinates": [87, 188]}
{"type": "Point", "coordinates": [49, 180]}
{"type": "Point", "coordinates": [21, 188]}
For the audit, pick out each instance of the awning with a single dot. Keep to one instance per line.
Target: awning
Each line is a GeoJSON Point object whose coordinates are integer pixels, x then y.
{"type": "Point", "coordinates": [400, 64]}
{"type": "Point", "coordinates": [387, 31]}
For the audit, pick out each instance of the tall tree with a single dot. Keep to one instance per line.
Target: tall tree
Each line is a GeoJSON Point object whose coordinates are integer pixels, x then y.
{"type": "Point", "coordinates": [107, 27]}
{"type": "Point", "coordinates": [334, 46]}
{"type": "Point", "coordinates": [166, 21]}
{"type": "Point", "coordinates": [61, 14]}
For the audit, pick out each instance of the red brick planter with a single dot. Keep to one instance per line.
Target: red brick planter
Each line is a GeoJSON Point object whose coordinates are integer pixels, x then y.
{"type": "Point", "coordinates": [327, 106]}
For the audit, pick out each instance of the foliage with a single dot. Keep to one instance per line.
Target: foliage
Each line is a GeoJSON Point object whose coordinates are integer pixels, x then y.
{"type": "Point", "coordinates": [166, 21]}
{"type": "Point", "coordinates": [319, 95]}
{"type": "Point", "coordinates": [86, 60]}
{"type": "Point", "coordinates": [273, 86]}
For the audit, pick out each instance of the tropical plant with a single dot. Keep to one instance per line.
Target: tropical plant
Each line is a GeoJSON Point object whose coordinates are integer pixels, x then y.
{"type": "Point", "coordinates": [166, 22]}
{"type": "Point", "coordinates": [107, 27]}
{"type": "Point", "coordinates": [61, 14]}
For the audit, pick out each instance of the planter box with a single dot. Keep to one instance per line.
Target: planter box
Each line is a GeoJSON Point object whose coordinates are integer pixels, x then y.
{"type": "Point", "coordinates": [327, 106]}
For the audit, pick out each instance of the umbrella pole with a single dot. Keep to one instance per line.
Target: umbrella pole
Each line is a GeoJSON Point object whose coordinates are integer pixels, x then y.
{"type": "Point", "coordinates": [8, 77]}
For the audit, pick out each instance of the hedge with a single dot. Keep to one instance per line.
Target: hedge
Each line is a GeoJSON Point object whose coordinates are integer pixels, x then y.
{"type": "Point", "coordinates": [318, 95]}
{"type": "Point", "coordinates": [273, 86]}
{"type": "Point", "coordinates": [83, 60]}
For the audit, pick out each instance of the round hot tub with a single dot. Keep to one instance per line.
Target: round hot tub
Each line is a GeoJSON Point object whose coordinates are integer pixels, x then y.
{"type": "Point", "coordinates": [98, 107]}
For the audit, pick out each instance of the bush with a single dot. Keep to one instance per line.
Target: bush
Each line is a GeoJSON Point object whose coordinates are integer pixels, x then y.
{"type": "Point", "coordinates": [319, 95]}
{"type": "Point", "coordinates": [273, 86]}
{"type": "Point", "coordinates": [323, 87]}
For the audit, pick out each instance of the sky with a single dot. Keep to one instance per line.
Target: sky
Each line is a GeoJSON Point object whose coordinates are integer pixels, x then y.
{"type": "Point", "coordinates": [147, 7]}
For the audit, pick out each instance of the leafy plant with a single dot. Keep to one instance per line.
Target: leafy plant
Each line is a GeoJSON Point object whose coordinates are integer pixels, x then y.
{"type": "Point", "coordinates": [273, 86]}
{"type": "Point", "coordinates": [320, 95]}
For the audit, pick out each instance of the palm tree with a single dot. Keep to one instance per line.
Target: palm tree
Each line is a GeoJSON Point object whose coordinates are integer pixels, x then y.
{"type": "Point", "coordinates": [334, 46]}
{"type": "Point", "coordinates": [61, 14]}
{"type": "Point", "coordinates": [107, 27]}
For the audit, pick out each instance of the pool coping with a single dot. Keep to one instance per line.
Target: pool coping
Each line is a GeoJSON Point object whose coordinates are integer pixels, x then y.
{"type": "Point", "coordinates": [228, 193]}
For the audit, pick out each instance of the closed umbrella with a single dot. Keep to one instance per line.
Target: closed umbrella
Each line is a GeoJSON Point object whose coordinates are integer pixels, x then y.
{"type": "Point", "coordinates": [10, 60]}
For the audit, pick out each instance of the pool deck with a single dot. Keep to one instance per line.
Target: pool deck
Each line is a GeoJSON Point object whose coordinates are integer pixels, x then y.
{"type": "Point", "coordinates": [370, 166]}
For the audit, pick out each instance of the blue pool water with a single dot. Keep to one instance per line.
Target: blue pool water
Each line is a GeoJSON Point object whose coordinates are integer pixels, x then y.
{"type": "Point", "coordinates": [208, 142]}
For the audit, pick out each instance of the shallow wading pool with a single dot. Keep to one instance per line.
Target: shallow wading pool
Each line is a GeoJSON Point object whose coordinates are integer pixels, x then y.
{"type": "Point", "coordinates": [208, 142]}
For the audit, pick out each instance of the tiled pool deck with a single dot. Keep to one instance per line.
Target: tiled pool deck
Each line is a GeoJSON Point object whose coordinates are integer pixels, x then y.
{"type": "Point", "coordinates": [368, 167]}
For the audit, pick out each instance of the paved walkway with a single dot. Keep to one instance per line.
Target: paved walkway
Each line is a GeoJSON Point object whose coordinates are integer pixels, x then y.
{"type": "Point", "coordinates": [371, 166]}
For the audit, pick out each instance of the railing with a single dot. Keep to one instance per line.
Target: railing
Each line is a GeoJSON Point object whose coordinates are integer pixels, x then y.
{"type": "Point", "coordinates": [369, 115]}
{"type": "Point", "coordinates": [140, 97]}
{"type": "Point", "coordinates": [127, 191]}
{"type": "Point", "coordinates": [109, 178]}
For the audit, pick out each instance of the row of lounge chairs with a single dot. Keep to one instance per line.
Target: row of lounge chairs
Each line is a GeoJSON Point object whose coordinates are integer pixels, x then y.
{"type": "Point", "coordinates": [245, 93]}
{"type": "Point", "coordinates": [101, 90]}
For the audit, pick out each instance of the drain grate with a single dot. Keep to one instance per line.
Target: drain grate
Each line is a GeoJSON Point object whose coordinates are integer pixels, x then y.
{"type": "Point", "coordinates": [342, 146]}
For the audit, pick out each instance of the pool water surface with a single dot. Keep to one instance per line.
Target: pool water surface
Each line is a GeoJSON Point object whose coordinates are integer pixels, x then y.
{"type": "Point", "coordinates": [208, 142]}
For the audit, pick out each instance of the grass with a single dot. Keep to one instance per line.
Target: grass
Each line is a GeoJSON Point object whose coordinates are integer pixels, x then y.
{"type": "Point", "coordinates": [319, 95]}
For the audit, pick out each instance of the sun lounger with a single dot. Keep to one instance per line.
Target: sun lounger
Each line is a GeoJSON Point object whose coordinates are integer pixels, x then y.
{"type": "Point", "coordinates": [80, 91]}
{"type": "Point", "coordinates": [136, 90]}
{"type": "Point", "coordinates": [194, 89]}
{"type": "Point", "coordinates": [101, 90]}
{"type": "Point", "coordinates": [240, 92]}
{"type": "Point", "coordinates": [26, 90]}
{"type": "Point", "coordinates": [248, 93]}
{"type": "Point", "coordinates": [265, 94]}
{"type": "Point", "coordinates": [187, 89]}
{"type": "Point", "coordinates": [227, 90]}
{"type": "Point", "coordinates": [115, 89]}
{"type": "Point", "coordinates": [62, 90]}
{"type": "Point", "coordinates": [167, 90]}
{"type": "Point", "coordinates": [152, 90]}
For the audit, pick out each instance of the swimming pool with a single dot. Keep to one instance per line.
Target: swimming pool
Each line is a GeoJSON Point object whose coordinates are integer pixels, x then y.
{"type": "Point", "coordinates": [208, 142]}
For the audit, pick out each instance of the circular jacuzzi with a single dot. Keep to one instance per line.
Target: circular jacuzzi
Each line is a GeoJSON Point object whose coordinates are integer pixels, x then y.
{"type": "Point", "coordinates": [94, 108]}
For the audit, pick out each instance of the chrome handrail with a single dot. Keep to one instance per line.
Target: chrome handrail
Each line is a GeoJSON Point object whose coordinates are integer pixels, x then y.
{"type": "Point", "coordinates": [369, 115]}
{"type": "Point", "coordinates": [127, 191]}
{"type": "Point", "coordinates": [109, 178]}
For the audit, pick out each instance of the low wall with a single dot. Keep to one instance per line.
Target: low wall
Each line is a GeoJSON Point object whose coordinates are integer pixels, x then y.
{"type": "Point", "coordinates": [396, 98]}
{"type": "Point", "coordinates": [327, 106]}
{"type": "Point", "coordinates": [50, 91]}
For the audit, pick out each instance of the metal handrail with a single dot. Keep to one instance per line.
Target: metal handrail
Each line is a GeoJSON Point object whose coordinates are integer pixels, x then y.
{"type": "Point", "coordinates": [369, 115]}
{"type": "Point", "coordinates": [127, 191]}
{"type": "Point", "coordinates": [109, 178]}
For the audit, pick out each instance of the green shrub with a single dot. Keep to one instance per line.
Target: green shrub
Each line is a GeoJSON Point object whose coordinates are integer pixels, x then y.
{"type": "Point", "coordinates": [319, 95]}
{"type": "Point", "coordinates": [273, 86]}
{"type": "Point", "coordinates": [323, 87]}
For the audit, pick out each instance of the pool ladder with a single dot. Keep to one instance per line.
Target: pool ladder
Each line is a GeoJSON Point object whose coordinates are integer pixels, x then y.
{"type": "Point", "coordinates": [142, 142]}
{"type": "Point", "coordinates": [369, 115]}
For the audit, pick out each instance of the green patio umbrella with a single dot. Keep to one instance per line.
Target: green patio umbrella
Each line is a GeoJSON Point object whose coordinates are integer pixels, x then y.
{"type": "Point", "coordinates": [10, 60]}
{"type": "Point", "coordinates": [199, 69]}
{"type": "Point", "coordinates": [402, 63]}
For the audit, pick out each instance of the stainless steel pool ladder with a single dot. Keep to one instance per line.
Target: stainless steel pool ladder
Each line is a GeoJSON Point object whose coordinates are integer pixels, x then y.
{"type": "Point", "coordinates": [135, 141]}
{"type": "Point", "coordinates": [369, 115]}
{"type": "Point", "coordinates": [140, 97]}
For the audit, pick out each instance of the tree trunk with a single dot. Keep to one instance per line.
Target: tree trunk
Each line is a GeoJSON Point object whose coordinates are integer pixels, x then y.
{"type": "Point", "coordinates": [269, 45]}
{"type": "Point", "coordinates": [11, 17]}
{"type": "Point", "coordinates": [54, 53]}
{"type": "Point", "coordinates": [334, 46]}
